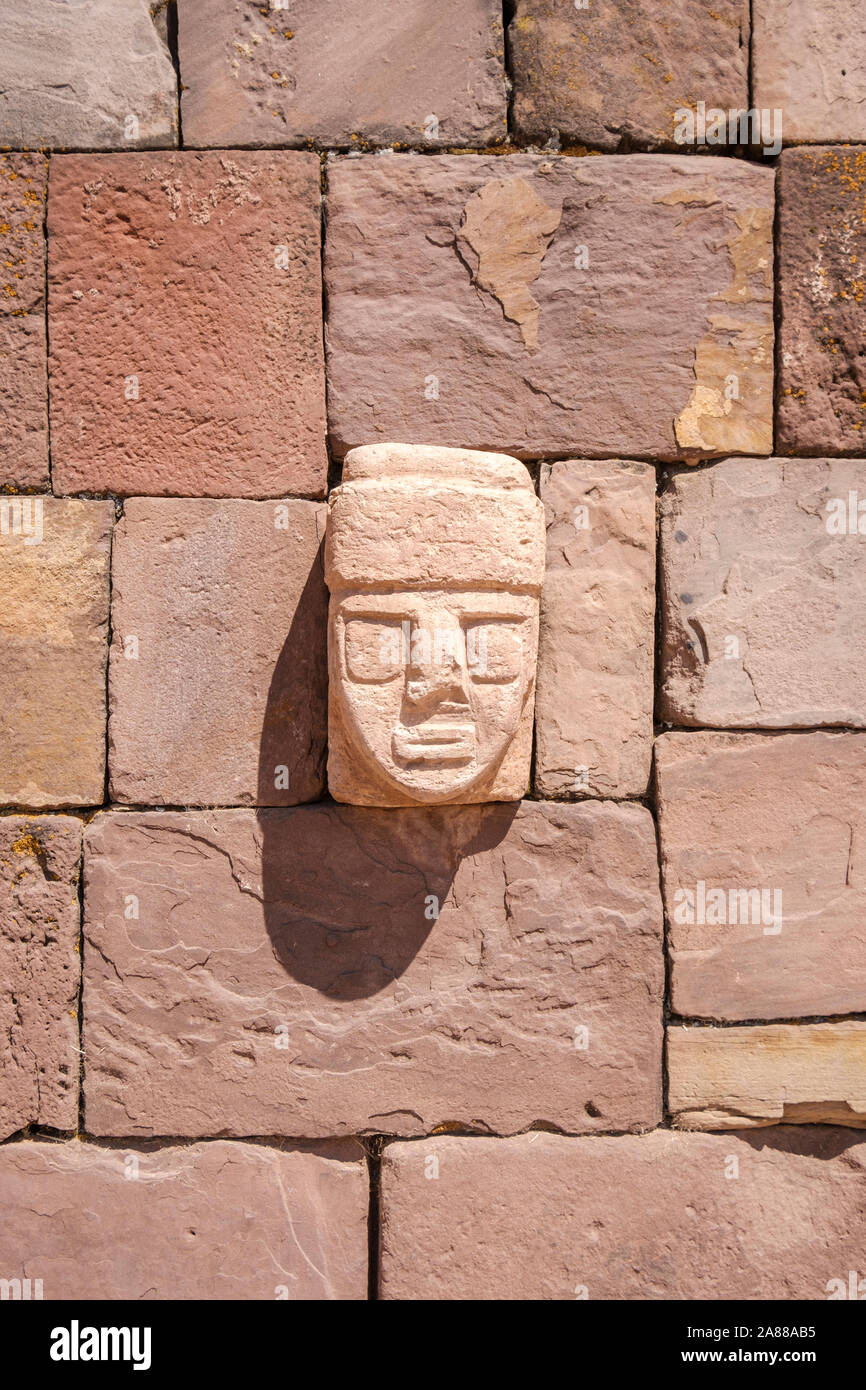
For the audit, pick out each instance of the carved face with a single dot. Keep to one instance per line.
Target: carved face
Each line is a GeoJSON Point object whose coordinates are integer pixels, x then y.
{"type": "Point", "coordinates": [432, 683]}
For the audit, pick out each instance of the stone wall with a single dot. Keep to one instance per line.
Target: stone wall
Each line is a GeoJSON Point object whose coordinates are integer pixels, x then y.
{"type": "Point", "coordinates": [605, 1042]}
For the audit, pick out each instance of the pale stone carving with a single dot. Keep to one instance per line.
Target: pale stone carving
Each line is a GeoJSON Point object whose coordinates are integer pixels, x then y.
{"type": "Point", "coordinates": [434, 559]}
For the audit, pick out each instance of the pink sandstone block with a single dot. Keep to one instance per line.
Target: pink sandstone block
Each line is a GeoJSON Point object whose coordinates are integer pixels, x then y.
{"type": "Point", "coordinates": [614, 76]}
{"type": "Point", "coordinates": [205, 1221]}
{"type": "Point", "coordinates": [40, 968]}
{"type": "Point", "coordinates": [329, 73]}
{"type": "Point", "coordinates": [784, 816]}
{"type": "Point", "coordinates": [185, 312]}
{"type": "Point", "coordinates": [490, 303]}
{"type": "Point", "coordinates": [809, 61]}
{"type": "Point", "coordinates": [218, 669]}
{"type": "Point", "coordinates": [23, 389]}
{"type": "Point", "coordinates": [287, 972]}
{"type": "Point", "coordinates": [763, 585]}
{"type": "Point", "coordinates": [594, 692]}
{"type": "Point", "coordinates": [650, 1216]}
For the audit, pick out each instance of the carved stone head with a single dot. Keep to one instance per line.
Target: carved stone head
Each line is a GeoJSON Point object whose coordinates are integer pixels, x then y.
{"type": "Point", "coordinates": [434, 559]}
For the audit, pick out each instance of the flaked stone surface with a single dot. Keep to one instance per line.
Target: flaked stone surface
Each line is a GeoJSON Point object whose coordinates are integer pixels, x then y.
{"type": "Point", "coordinates": [763, 586]}
{"type": "Point", "coordinates": [324, 73]}
{"type": "Point", "coordinates": [23, 401]}
{"type": "Point", "coordinates": [210, 1221]}
{"type": "Point", "coordinates": [652, 1216]}
{"type": "Point", "coordinates": [40, 968]}
{"type": "Point", "coordinates": [780, 816]}
{"type": "Point", "coordinates": [822, 278]}
{"type": "Point", "coordinates": [460, 313]}
{"type": "Point", "coordinates": [810, 61]}
{"type": "Point", "coordinates": [54, 559]}
{"type": "Point", "coordinates": [594, 696]}
{"type": "Point", "coordinates": [185, 324]}
{"type": "Point", "coordinates": [218, 666]}
{"type": "Point", "coordinates": [613, 76]}
{"type": "Point", "coordinates": [434, 561]}
{"type": "Point", "coordinates": [90, 75]}
{"type": "Point", "coordinates": [286, 973]}
{"type": "Point", "coordinates": [732, 1078]}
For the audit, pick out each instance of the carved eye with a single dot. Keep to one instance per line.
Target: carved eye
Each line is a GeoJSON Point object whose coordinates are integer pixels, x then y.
{"type": "Point", "coordinates": [374, 649]}
{"type": "Point", "coordinates": [494, 650]}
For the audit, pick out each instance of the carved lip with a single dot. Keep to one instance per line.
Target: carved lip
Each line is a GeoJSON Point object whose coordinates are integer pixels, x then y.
{"type": "Point", "coordinates": [435, 740]}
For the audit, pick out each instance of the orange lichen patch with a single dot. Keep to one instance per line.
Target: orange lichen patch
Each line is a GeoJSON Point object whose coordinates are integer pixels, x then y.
{"type": "Point", "coordinates": [27, 843]}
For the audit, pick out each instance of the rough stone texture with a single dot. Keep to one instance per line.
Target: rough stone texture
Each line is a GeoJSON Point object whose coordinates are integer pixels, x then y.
{"type": "Point", "coordinates": [434, 560]}
{"type": "Point", "coordinates": [207, 1221]}
{"type": "Point", "coordinates": [54, 557]}
{"type": "Point", "coordinates": [23, 390]}
{"type": "Point", "coordinates": [782, 813]}
{"type": "Point", "coordinates": [286, 974]}
{"type": "Point", "coordinates": [485, 303]}
{"type": "Point", "coordinates": [41, 971]}
{"type": "Point", "coordinates": [194, 281]}
{"type": "Point", "coordinates": [810, 61]}
{"type": "Point", "coordinates": [822, 278]}
{"type": "Point", "coordinates": [328, 73]}
{"type": "Point", "coordinates": [654, 1216]}
{"type": "Point", "coordinates": [762, 600]}
{"type": "Point", "coordinates": [93, 74]}
{"type": "Point", "coordinates": [614, 75]}
{"type": "Point", "coordinates": [732, 1078]}
{"type": "Point", "coordinates": [218, 673]}
{"type": "Point", "coordinates": [594, 701]}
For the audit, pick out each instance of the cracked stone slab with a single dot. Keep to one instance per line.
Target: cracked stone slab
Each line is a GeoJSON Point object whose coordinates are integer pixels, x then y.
{"type": "Point", "coordinates": [218, 665]}
{"type": "Point", "coordinates": [737, 1078]}
{"type": "Point", "coordinates": [822, 278]}
{"type": "Point", "coordinates": [763, 583]}
{"type": "Point", "coordinates": [810, 61]}
{"type": "Point", "coordinates": [287, 972]}
{"type": "Point", "coordinates": [40, 967]}
{"type": "Point", "coordinates": [594, 689]}
{"type": "Point", "coordinates": [217, 1220]}
{"type": "Point", "coordinates": [613, 76]}
{"type": "Point", "coordinates": [779, 815]}
{"type": "Point", "coordinates": [95, 74]}
{"type": "Point", "coordinates": [652, 1216]}
{"type": "Point", "coordinates": [54, 561]}
{"type": "Point", "coordinates": [23, 379]}
{"type": "Point", "coordinates": [186, 324]}
{"type": "Point", "coordinates": [325, 73]}
{"type": "Point", "coordinates": [459, 313]}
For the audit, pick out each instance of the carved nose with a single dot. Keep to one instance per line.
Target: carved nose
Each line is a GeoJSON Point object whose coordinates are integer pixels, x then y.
{"type": "Point", "coordinates": [438, 676]}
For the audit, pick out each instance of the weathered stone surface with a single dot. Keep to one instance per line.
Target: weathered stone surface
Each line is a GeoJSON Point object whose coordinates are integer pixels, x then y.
{"type": "Point", "coordinates": [41, 971]}
{"type": "Point", "coordinates": [614, 75]}
{"type": "Point", "coordinates": [185, 324]}
{"type": "Point", "coordinates": [23, 399]}
{"type": "Point", "coordinates": [54, 558]}
{"type": "Point", "coordinates": [594, 702]}
{"type": "Point", "coordinates": [762, 597]}
{"type": "Point", "coordinates": [461, 313]}
{"type": "Point", "coordinates": [218, 671]}
{"type": "Point", "coordinates": [434, 560]}
{"type": "Point", "coordinates": [810, 61]}
{"type": "Point", "coordinates": [93, 74]}
{"type": "Point", "coordinates": [732, 1078]}
{"type": "Point", "coordinates": [780, 814]}
{"type": "Point", "coordinates": [653, 1216]}
{"type": "Point", "coordinates": [822, 278]}
{"type": "Point", "coordinates": [327, 73]}
{"type": "Point", "coordinates": [286, 973]}
{"type": "Point", "coordinates": [209, 1221]}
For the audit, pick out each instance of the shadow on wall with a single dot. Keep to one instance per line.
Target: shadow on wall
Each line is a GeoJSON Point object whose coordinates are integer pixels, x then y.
{"type": "Point", "coordinates": [350, 894]}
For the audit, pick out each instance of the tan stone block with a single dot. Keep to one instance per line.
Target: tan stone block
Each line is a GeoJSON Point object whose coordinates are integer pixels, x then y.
{"type": "Point", "coordinates": [739, 1078]}
{"type": "Point", "coordinates": [810, 62]}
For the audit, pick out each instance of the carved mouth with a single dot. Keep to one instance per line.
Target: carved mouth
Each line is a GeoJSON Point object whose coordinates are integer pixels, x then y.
{"type": "Point", "coordinates": [435, 741]}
